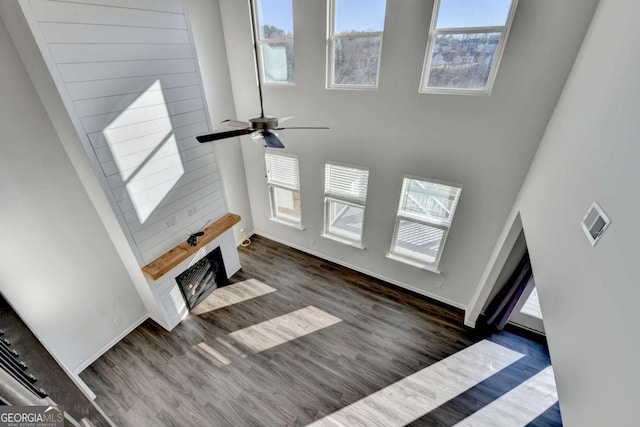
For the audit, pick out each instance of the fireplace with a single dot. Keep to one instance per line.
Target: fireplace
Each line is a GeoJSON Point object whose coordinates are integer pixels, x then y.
{"type": "Point", "coordinates": [199, 280]}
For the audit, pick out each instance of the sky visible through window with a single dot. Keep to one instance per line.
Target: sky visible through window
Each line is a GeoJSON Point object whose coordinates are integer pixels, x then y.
{"type": "Point", "coordinates": [278, 13]}
{"type": "Point", "coordinates": [473, 13]}
{"type": "Point", "coordinates": [359, 15]}
{"type": "Point", "coordinates": [352, 15]}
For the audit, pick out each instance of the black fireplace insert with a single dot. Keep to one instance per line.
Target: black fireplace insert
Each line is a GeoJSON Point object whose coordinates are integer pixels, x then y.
{"type": "Point", "coordinates": [197, 282]}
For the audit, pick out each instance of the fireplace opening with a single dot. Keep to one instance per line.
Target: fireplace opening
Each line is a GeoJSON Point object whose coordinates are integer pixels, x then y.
{"type": "Point", "coordinates": [206, 275]}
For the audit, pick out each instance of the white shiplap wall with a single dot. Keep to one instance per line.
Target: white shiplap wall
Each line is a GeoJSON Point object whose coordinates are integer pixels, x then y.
{"type": "Point", "coordinates": [128, 72]}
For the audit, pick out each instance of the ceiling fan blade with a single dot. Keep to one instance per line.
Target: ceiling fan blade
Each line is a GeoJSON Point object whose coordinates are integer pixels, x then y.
{"type": "Point", "coordinates": [284, 119]}
{"type": "Point", "coordinates": [303, 127]}
{"type": "Point", "coordinates": [223, 135]}
{"type": "Point", "coordinates": [236, 123]}
{"type": "Point", "coordinates": [271, 141]}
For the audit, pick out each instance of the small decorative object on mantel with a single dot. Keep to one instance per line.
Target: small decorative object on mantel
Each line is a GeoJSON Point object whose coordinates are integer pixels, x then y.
{"type": "Point", "coordinates": [193, 237]}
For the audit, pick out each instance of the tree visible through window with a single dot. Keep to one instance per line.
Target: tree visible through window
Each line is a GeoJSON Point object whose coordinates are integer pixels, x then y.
{"type": "Point", "coordinates": [466, 41]}
{"type": "Point", "coordinates": [275, 41]}
{"type": "Point", "coordinates": [355, 42]}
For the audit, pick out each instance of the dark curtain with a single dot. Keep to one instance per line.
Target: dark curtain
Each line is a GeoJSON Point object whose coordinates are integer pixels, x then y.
{"type": "Point", "coordinates": [499, 310]}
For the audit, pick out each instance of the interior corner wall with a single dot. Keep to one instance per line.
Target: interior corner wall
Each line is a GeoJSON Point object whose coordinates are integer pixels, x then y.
{"type": "Point", "coordinates": [206, 27]}
{"type": "Point", "coordinates": [589, 294]}
{"type": "Point", "coordinates": [58, 266]}
{"type": "Point", "coordinates": [485, 143]}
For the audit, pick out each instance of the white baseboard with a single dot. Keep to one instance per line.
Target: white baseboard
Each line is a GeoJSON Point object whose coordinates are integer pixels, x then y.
{"type": "Point", "coordinates": [470, 324]}
{"type": "Point", "coordinates": [365, 271]}
{"type": "Point", "coordinates": [106, 348]}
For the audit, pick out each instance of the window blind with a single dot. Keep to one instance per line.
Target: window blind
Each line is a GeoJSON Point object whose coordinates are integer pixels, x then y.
{"type": "Point", "coordinates": [283, 171]}
{"type": "Point", "coordinates": [346, 182]}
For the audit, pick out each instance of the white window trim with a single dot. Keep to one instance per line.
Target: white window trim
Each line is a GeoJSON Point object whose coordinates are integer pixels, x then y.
{"type": "Point", "coordinates": [272, 199]}
{"type": "Point", "coordinates": [504, 30]}
{"type": "Point", "coordinates": [331, 47]}
{"type": "Point", "coordinates": [260, 41]}
{"type": "Point", "coordinates": [347, 201]}
{"type": "Point", "coordinates": [429, 266]}
{"type": "Point", "coordinates": [274, 209]}
{"type": "Point", "coordinates": [337, 237]}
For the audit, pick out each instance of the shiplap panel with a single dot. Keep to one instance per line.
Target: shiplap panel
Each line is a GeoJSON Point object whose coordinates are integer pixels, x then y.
{"type": "Point", "coordinates": [189, 195]}
{"type": "Point", "coordinates": [123, 69]}
{"type": "Point", "coordinates": [74, 13]}
{"type": "Point", "coordinates": [155, 228]}
{"type": "Point", "coordinates": [132, 116]}
{"type": "Point", "coordinates": [179, 191]}
{"type": "Point", "coordinates": [120, 193]}
{"type": "Point", "coordinates": [130, 71]}
{"type": "Point", "coordinates": [193, 223]}
{"type": "Point", "coordinates": [187, 152]}
{"type": "Point", "coordinates": [124, 134]}
{"type": "Point", "coordinates": [128, 164]}
{"type": "Point", "coordinates": [186, 133]}
{"type": "Point", "coordinates": [182, 216]}
{"type": "Point", "coordinates": [137, 85]}
{"type": "Point", "coordinates": [198, 202]}
{"type": "Point", "coordinates": [173, 240]}
{"type": "Point", "coordinates": [156, 5]}
{"type": "Point", "coordinates": [117, 103]}
{"type": "Point", "coordinates": [115, 181]}
{"type": "Point", "coordinates": [149, 180]}
{"type": "Point", "coordinates": [72, 53]}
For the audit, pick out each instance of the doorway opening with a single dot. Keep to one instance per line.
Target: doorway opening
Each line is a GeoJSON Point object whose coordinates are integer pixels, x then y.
{"type": "Point", "coordinates": [514, 298]}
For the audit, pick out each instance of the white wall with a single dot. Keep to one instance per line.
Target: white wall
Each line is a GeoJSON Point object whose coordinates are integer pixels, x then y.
{"type": "Point", "coordinates": [485, 143]}
{"type": "Point", "coordinates": [135, 98]}
{"type": "Point", "coordinates": [206, 26]}
{"type": "Point", "coordinates": [58, 266]}
{"type": "Point", "coordinates": [590, 295]}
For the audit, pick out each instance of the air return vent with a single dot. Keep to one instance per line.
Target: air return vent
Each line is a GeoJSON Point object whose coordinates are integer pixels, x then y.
{"type": "Point", "coordinates": [594, 223]}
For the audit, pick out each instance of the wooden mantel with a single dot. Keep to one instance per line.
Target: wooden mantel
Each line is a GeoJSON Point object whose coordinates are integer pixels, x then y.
{"type": "Point", "coordinates": [162, 265]}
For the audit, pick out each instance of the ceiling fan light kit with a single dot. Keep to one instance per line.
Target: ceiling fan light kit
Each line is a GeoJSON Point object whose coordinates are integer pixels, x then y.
{"type": "Point", "coordinates": [260, 127]}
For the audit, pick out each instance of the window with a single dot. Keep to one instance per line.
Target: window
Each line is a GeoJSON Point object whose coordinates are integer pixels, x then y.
{"type": "Point", "coordinates": [424, 216]}
{"type": "Point", "coordinates": [275, 41]}
{"type": "Point", "coordinates": [355, 43]}
{"type": "Point", "coordinates": [283, 179]}
{"type": "Point", "coordinates": [466, 42]}
{"type": "Point", "coordinates": [345, 191]}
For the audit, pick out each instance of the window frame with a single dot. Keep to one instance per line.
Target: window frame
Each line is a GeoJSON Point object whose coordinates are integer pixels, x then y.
{"type": "Point", "coordinates": [332, 37]}
{"type": "Point", "coordinates": [345, 200]}
{"type": "Point", "coordinates": [400, 216]}
{"type": "Point", "coordinates": [433, 32]}
{"type": "Point", "coordinates": [271, 189]}
{"type": "Point", "coordinates": [260, 41]}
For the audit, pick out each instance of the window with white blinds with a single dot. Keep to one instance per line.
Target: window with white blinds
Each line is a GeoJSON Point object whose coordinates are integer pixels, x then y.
{"type": "Point", "coordinates": [283, 178]}
{"type": "Point", "coordinates": [424, 217]}
{"type": "Point", "coordinates": [345, 190]}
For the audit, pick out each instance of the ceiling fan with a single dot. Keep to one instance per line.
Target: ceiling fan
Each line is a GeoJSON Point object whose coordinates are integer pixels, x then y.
{"type": "Point", "coordinates": [261, 127]}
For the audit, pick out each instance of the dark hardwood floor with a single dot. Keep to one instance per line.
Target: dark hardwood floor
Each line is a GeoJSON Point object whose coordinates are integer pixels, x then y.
{"type": "Point", "coordinates": [198, 375]}
{"type": "Point", "coordinates": [51, 377]}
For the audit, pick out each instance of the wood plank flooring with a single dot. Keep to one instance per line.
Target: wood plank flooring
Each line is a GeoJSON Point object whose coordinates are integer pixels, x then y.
{"type": "Point", "coordinates": [200, 375]}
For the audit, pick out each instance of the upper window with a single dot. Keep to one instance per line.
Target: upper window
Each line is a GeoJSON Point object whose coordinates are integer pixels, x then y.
{"type": "Point", "coordinates": [424, 216]}
{"type": "Point", "coordinates": [466, 41]}
{"type": "Point", "coordinates": [283, 178]}
{"type": "Point", "coordinates": [355, 43]}
{"type": "Point", "coordinates": [275, 41]}
{"type": "Point", "coordinates": [345, 191]}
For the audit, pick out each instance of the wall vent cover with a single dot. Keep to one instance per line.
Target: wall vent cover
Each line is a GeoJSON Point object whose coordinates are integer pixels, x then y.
{"type": "Point", "coordinates": [594, 223]}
